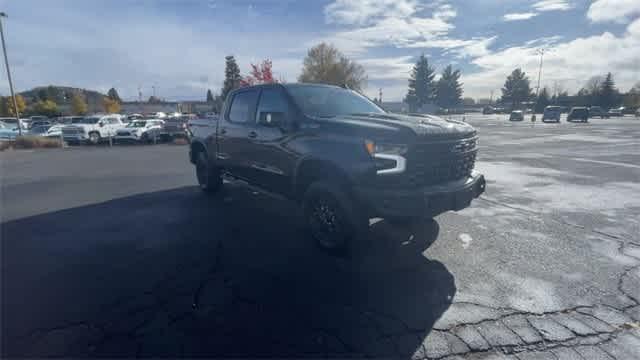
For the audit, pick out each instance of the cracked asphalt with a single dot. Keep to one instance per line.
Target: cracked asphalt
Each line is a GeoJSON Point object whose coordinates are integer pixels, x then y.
{"type": "Point", "coordinates": [113, 252]}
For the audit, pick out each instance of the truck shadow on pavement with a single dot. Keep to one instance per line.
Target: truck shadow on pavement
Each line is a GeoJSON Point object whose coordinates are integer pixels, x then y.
{"type": "Point", "coordinates": [176, 273]}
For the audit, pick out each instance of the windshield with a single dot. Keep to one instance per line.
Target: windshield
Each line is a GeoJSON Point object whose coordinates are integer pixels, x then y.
{"type": "Point", "coordinates": [137, 124]}
{"type": "Point", "coordinates": [326, 101]}
{"type": "Point", "coordinates": [87, 120]}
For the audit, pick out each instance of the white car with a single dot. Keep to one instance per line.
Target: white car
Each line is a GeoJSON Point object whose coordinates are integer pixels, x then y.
{"type": "Point", "coordinates": [13, 121]}
{"type": "Point", "coordinates": [92, 129]}
{"type": "Point", "coordinates": [156, 115]}
{"type": "Point", "coordinates": [141, 131]}
{"type": "Point", "coordinates": [56, 129]}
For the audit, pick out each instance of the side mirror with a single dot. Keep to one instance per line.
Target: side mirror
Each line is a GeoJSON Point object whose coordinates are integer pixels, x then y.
{"type": "Point", "coordinates": [101, 124]}
{"type": "Point", "coordinates": [271, 119]}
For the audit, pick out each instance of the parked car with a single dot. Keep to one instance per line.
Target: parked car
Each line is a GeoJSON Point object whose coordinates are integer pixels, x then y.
{"type": "Point", "coordinates": [638, 113]}
{"type": "Point", "coordinates": [92, 129]}
{"type": "Point", "coordinates": [551, 113]}
{"type": "Point", "coordinates": [615, 112]}
{"type": "Point", "coordinates": [487, 110]}
{"type": "Point", "coordinates": [38, 120]}
{"type": "Point", "coordinates": [39, 130]}
{"type": "Point", "coordinates": [597, 111]}
{"type": "Point", "coordinates": [578, 114]}
{"type": "Point", "coordinates": [37, 123]}
{"type": "Point", "coordinates": [176, 126]}
{"type": "Point", "coordinates": [155, 115]}
{"type": "Point", "coordinates": [141, 131]}
{"type": "Point", "coordinates": [132, 117]}
{"type": "Point", "coordinates": [341, 156]}
{"type": "Point", "coordinates": [13, 121]}
{"type": "Point", "coordinates": [56, 129]}
{"type": "Point", "coordinates": [8, 131]}
{"type": "Point", "coordinates": [516, 115]}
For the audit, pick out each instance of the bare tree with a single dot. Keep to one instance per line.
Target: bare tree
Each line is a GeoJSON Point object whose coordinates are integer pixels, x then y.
{"type": "Point", "coordinates": [593, 84]}
{"type": "Point", "coordinates": [326, 64]}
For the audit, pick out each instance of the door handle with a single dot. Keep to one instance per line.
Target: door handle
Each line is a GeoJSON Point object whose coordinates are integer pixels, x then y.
{"type": "Point", "coordinates": [223, 131]}
{"type": "Point", "coordinates": [253, 134]}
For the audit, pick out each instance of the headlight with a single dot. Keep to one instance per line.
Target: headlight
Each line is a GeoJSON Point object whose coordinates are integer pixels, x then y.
{"type": "Point", "coordinates": [389, 158]}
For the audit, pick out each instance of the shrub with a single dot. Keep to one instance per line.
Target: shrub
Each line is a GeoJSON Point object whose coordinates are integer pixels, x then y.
{"type": "Point", "coordinates": [30, 142]}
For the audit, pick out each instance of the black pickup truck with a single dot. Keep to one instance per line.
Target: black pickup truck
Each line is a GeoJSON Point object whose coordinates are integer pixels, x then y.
{"type": "Point", "coordinates": [339, 155]}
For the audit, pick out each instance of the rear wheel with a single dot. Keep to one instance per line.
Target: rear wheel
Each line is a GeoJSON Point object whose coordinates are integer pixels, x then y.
{"type": "Point", "coordinates": [209, 177]}
{"type": "Point", "coordinates": [334, 218]}
{"type": "Point", "coordinates": [94, 138]}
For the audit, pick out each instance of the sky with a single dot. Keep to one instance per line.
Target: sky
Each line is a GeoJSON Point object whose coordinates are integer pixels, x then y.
{"type": "Point", "coordinates": [178, 47]}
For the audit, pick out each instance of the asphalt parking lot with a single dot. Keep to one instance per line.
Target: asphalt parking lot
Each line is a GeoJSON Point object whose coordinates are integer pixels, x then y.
{"type": "Point", "coordinates": [114, 252]}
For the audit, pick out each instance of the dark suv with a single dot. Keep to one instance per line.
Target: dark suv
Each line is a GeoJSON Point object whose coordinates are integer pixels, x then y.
{"type": "Point", "coordinates": [338, 154]}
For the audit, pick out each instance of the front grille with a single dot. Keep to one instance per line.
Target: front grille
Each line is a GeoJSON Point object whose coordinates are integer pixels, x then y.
{"type": "Point", "coordinates": [71, 131]}
{"type": "Point", "coordinates": [123, 133]}
{"type": "Point", "coordinates": [440, 161]}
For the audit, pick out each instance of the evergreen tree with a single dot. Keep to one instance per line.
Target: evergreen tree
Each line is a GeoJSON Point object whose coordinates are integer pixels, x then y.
{"type": "Point", "coordinates": [209, 96]}
{"type": "Point", "coordinates": [113, 95]}
{"type": "Point", "coordinates": [608, 94]}
{"type": "Point", "coordinates": [449, 89]}
{"type": "Point", "coordinates": [421, 85]}
{"type": "Point", "coordinates": [231, 76]}
{"type": "Point", "coordinates": [516, 89]}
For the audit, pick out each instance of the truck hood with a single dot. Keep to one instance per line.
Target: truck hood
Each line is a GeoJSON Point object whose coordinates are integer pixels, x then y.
{"type": "Point", "coordinates": [405, 125]}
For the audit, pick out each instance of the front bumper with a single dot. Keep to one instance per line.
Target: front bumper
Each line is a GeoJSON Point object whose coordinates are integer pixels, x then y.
{"type": "Point", "coordinates": [423, 202]}
{"type": "Point", "coordinates": [126, 138]}
{"type": "Point", "coordinates": [75, 137]}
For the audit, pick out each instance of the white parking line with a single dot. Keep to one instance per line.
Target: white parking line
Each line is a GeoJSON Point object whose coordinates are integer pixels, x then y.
{"type": "Point", "coordinates": [607, 163]}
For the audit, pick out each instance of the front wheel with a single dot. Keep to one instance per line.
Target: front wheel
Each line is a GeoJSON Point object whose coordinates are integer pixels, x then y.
{"type": "Point", "coordinates": [209, 177]}
{"type": "Point", "coordinates": [334, 218]}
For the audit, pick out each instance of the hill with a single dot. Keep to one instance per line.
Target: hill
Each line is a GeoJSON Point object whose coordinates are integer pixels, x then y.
{"type": "Point", "coordinates": [61, 94]}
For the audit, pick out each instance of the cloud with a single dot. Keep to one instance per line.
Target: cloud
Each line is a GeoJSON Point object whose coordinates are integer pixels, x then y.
{"type": "Point", "coordinates": [385, 23]}
{"type": "Point", "coordinates": [390, 68]}
{"type": "Point", "coordinates": [363, 12]}
{"type": "Point", "coordinates": [519, 16]}
{"type": "Point", "coordinates": [98, 50]}
{"type": "Point", "coordinates": [619, 11]}
{"type": "Point", "coordinates": [538, 7]}
{"type": "Point", "coordinates": [570, 63]}
{"type": "Point", "coordinates": [552, 5]}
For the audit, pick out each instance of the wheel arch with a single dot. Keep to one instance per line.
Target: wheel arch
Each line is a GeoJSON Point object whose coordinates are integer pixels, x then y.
{"type": "Point", "coordinates": [196, 148]}
{"type": "Point", "coordinates": [310, 170]}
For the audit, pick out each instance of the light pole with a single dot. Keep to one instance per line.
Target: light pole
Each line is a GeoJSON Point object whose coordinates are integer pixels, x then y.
{"type": "Point", "coordinates": [6, 63]}
{"type": "Point", "coordinates": [541, 53]}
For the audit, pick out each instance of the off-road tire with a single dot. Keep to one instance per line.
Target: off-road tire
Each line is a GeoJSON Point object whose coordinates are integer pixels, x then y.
{"type": "Point", "coordinates": [209, 177]}
{"type": "Point", "coordinates": [334, 218]}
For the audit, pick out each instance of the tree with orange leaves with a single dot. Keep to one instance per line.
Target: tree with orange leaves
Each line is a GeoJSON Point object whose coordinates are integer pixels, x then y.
{"type": "Point", "coordinates": [260, 74]}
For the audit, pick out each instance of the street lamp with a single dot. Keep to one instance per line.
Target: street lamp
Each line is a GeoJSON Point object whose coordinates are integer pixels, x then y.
{"type": "Point", "coordinates": [6, 62]}
{"type": "Point", "coordinates": [541, 53]}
